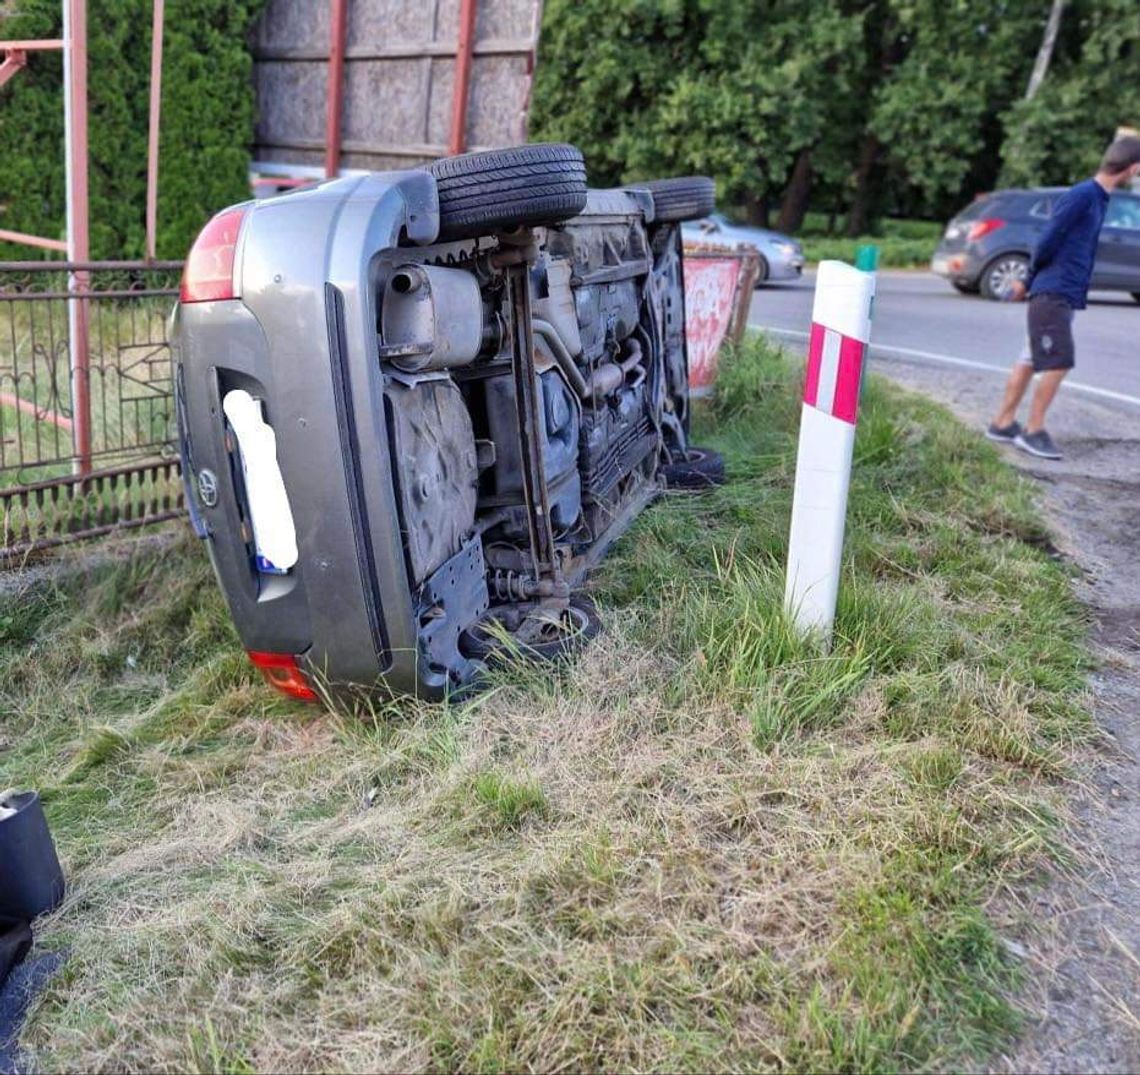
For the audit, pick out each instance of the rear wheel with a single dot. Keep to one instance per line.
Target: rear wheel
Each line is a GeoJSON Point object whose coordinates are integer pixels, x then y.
{"type": "Point", "coordinates": [502, 189]}
{"type": "Point", "coordinates": [538, 635]}
{"type": "Point", "coordinates": [690, 197]}
{"type": "Point", "coordinates": [1001, 272]}
{"type": "Point", "coordinates": [700, 469]}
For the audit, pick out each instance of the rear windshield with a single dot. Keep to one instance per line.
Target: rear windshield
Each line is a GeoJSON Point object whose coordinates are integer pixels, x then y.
{"type": "Point", "coordinates": [1009, 204]}
{"type": "Point", "coordinates": [976, 207]}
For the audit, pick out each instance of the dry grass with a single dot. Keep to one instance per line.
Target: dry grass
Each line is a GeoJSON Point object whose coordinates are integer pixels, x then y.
{"type": "Point", "coordinates": [703, 846]}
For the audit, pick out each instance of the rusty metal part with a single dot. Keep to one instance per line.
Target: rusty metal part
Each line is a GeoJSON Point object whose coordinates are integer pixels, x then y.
{"type": "Point", "coordinates": [126, 307]}
{"type": "Point", "coordinates": [334, 99]}
{"type": "Point", "coordinates": [543, 553]}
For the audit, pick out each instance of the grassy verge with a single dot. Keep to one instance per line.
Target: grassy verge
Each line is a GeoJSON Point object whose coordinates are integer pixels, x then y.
{"type": "Point", "coordinates": [704, 845]}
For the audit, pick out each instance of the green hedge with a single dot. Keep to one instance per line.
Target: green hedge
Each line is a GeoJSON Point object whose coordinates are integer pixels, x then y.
{"type": "Point", "coordinates": [207, 123]}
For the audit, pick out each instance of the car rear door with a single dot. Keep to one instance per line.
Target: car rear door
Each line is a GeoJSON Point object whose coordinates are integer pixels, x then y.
{"type": "Point", "coordinates": [1118, 251]}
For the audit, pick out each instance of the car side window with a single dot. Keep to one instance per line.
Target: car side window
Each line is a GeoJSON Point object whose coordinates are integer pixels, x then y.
{"type": "Point", "coordinates": [1041, 209]}
{"type": "Point", "coordinates": [1123, 212]}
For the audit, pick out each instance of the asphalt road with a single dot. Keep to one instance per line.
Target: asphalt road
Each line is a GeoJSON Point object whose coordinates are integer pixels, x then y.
{"type": "Point", "coordinates": [920, 317]}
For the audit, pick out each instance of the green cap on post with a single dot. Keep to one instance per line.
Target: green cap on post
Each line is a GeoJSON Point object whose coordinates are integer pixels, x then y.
{"type": "Point", "coordinates": [867, 258]}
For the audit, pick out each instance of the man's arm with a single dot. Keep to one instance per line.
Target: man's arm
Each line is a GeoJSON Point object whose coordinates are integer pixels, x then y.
{"type": "Point", "coordinates": [1069, 209]}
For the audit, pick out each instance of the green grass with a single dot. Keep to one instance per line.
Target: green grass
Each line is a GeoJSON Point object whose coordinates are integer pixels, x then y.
{"type": "Point", "coordinates": [903, 244]}
{"type": "Point", "coordinates": [705, 845]}
{"type": "Point", "coordinates": [894, 253]}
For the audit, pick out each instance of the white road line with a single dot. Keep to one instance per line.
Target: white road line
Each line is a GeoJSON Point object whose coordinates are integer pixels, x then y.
{"type": "Point", "coordinates": [963, 363]}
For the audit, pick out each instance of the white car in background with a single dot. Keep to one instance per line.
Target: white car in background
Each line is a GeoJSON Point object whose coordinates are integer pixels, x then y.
{"type": "Point", "coordinates": [781, 257]}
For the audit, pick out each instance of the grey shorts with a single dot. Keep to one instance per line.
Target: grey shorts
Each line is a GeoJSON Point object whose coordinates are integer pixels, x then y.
{"type": "Point", "coordinates": [1050, 344]}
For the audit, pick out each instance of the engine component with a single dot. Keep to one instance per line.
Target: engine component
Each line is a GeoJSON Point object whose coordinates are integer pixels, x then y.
{"type": "Point", "coordinates": [434, 441]}
{"type": "Point", "coordinates": [606, 312]}
{"type": "Point", "coordinates": [559, 440]}
{"type": "Point", "coordinates": [614, 440]}
{"type": "Point", "coordinates": [557, 306]}
{"type": "Point", "coordinates": [431, 318]}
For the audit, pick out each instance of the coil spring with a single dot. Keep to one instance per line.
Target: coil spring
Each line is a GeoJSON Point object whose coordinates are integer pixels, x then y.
{"type": "Point", "coordinates": [509, 585]}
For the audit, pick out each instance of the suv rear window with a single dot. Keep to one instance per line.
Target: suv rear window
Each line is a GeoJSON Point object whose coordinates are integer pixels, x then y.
{"type": "Point", "coordinates": [974, 209]}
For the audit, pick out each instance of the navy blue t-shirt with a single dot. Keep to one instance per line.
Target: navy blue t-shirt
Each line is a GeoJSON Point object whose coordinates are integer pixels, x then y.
{"type": "Point", "coordinates": [1063, 259]}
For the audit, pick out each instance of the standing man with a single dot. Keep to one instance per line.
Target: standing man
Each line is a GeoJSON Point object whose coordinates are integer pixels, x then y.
{"type": "Point", "coordinates": [1058, 285]}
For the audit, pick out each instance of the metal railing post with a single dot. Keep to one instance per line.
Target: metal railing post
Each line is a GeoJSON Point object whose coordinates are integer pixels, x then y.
{"type": "Point", "coordinates": [334, 99]}
{"type": "Point", "coordinates": [78, 247]}
{"type": "Point", "coordinates": [152, 137]}
{"type": "Point", "coordinates": [464, 52]}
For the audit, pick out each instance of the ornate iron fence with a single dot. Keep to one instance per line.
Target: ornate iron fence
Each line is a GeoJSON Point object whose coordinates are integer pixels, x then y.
{"type": "Point", "coordinates": [86, 428]}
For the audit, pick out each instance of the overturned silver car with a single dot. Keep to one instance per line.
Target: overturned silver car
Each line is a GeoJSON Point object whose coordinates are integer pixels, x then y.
{"type": "Point", "coordinates": [417, 407]}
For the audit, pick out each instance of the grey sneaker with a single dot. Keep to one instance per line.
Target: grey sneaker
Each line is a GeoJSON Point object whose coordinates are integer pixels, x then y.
{"type": "Point", "coordinates": [1039, 444]}
{"type": "Point", "coordinates": [1004, 434]}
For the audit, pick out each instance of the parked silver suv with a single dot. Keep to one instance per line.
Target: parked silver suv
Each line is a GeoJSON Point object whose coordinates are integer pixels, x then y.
{"type": "Point", "coordinates": [417, 407]}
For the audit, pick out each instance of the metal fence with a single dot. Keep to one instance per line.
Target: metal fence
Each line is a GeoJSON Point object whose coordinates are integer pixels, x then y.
{"type": "Point", "coordinates": [86, 400]}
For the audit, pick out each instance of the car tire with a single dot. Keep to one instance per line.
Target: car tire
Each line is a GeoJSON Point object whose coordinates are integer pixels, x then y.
{"type": "Point", "coordinates": [762, 270]}
{"type": "Point", "coordinates": [999, 272]}
{"type": "Point", "coordinates": [965, 289]}
{"type": "Point", "coordinates": [691, 197]}
{"type": "Point", "coordinates": [502, 189]}
{"type": "Point", "coordinates": [701, 469]}
{"type": "Point", "coordinates": [583, 624]}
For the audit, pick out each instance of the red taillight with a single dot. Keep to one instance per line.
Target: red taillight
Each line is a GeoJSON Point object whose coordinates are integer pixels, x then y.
{"type": "Point", "coordinates": [983, 227]}
{"type": "Point", "coordinates": [282, 671]}
{"type": "Point", "coordinates": [209, 271]}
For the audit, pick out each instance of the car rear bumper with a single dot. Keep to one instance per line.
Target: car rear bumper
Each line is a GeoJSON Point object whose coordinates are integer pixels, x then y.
{"type": "Point", "coordinates": [301, 339]}
{"type": "Point", "coordinates": [958, 266]}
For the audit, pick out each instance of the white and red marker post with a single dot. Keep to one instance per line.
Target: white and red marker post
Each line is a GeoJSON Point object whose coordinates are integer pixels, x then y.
{"type": "Point", "coordinates": [837, 349]}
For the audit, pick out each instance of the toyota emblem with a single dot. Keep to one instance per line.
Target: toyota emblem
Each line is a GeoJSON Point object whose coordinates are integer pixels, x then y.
{"type": "Point", "coordinates": [207, 488]}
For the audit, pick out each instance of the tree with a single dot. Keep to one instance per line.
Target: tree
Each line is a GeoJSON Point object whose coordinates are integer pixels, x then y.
{"type": "Point", "coordinates": [1045, 52]}
{"type": "Point", "coordinates": [1093, 86]}
{"type": "Point", "coordinates": [737, 91]}
{"type": "Point", "coordinates": [207, 123]}
{"type": "Point", "coordinates": [938, 70]}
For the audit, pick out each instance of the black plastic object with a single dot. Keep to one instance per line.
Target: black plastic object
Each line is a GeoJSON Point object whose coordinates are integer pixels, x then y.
{"type": "Point", "coordinates": [15, 943]}
{"type": "Point", "coordinates": [31, 881]}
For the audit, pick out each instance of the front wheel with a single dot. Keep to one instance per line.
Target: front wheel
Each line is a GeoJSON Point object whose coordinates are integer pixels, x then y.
{"type": "Point", "coordinates": [1001, 272]}
{"type": "Point", "coordinates": [762, 270]}
{"type": "Point", "coordinates": [700, 469]}
{"type": "Point", "coordinates": [690, 197]}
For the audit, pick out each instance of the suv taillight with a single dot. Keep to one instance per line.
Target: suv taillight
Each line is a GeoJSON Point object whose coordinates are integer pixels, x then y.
{"type": "Point", "coordinates": [282, 671]}
{"type": "Point", "coordinates": [209, 271]}
{"type": "Point", "coordinates": [983, 227]}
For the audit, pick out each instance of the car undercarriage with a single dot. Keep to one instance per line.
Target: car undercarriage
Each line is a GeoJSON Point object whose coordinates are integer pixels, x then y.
{"type": "Point", "coordinates": [525, 377]}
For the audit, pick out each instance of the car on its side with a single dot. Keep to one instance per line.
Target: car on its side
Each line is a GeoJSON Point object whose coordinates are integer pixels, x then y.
{"type": "Point", "coordinates": [416, 408]}
{"type": "Point", "coordinates": [781, 257]}
{"type": "Point", "coordinates": [989, 243]}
